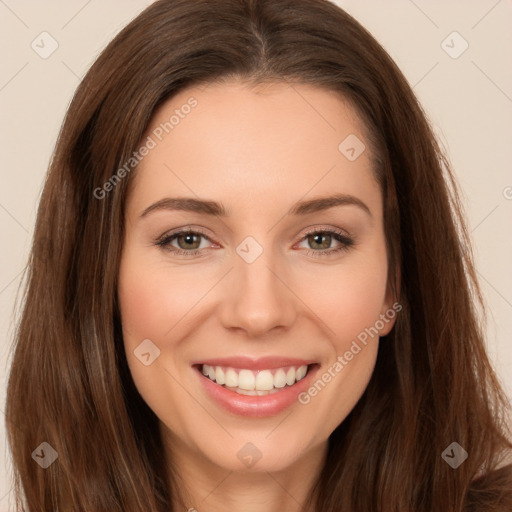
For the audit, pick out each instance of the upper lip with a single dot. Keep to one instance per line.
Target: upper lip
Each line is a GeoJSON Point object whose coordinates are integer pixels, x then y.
{"type": "Point", "coordinates": [262, 363]}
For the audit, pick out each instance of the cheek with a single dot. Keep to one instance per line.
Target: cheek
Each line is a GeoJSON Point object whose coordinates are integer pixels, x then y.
{"type": "Point", "coordinates": [350, 302]}
{"type": "Point", "coordinates": [359, 302]}
{"type": "Point", "coordinates": [349, 299]}
{"type": "Point", "coordinates": [150, 307]}
{"type": "Point", "coordinates": [150, 302]}
{"type": "Point", "coordinates": [350, 308]}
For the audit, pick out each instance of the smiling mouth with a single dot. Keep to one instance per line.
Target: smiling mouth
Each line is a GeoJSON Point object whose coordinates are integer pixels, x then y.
{"type": "Point", "coordinates": [255, 382]}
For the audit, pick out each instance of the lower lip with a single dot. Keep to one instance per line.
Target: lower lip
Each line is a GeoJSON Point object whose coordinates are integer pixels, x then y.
{"type": "Point", "coordinates": [256, 406]}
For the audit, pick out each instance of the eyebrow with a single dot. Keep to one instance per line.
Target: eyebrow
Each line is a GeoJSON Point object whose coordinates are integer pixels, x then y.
{"type": "Point", "coordinates": [206, 207]}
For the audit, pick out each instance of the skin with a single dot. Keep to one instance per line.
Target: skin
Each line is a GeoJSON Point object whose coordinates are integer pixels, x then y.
{"type": "Point", "coordinates": [258, 151]}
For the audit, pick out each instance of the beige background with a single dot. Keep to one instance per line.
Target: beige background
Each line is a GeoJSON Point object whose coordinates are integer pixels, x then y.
{"type": "Point", "coordinates": [468, 99]}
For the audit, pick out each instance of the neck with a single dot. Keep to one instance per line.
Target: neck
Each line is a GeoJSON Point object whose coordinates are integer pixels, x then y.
{"type": "Point", "coordinates": [204, 486]}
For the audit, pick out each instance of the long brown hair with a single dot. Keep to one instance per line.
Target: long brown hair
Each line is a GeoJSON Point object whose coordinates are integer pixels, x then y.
{"type": "Point", "coordinates": [70, 385]}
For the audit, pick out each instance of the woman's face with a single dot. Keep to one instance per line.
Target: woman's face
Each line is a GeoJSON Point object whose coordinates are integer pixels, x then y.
{"type": "Point", "coordinates": [274, 277]}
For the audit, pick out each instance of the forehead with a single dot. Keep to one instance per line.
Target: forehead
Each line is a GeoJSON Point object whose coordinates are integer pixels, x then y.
{"type": "Point", "coordinates": [244, 144]}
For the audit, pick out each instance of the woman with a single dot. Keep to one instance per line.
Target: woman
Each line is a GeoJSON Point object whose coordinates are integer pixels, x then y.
{"type": "Point", "coordinates": [248, 288]}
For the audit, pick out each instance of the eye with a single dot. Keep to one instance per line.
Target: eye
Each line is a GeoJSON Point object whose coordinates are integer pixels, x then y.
{"type": "Point", "coordinates": [320, 241]}
{"type": "Point", "coordinates": [188, 242]}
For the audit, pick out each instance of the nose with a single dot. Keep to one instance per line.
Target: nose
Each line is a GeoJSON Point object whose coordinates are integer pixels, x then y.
{"type": "Point", "coordinates": [258, 298]}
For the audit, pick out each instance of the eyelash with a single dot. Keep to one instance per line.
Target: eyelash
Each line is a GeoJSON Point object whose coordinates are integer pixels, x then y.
{"type": "Point", "coordinates": [345, 241]}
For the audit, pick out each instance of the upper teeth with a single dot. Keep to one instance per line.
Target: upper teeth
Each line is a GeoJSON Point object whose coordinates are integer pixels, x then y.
{"type": "Point", "coordinates": [262, 380]}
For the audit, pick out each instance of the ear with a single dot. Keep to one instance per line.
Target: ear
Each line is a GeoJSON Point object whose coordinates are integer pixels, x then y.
{"type": "Point", "coordinates": [390, 307]}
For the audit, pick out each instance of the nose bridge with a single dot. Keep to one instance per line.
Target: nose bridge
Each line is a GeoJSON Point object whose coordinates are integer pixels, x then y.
{"type": "Point", "coordinates": [257, 299]}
